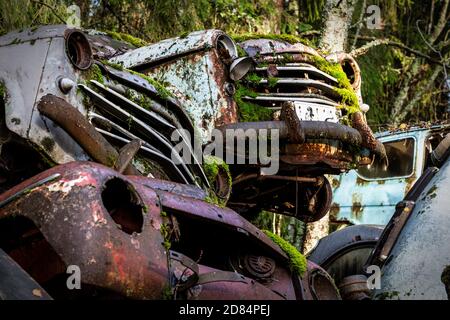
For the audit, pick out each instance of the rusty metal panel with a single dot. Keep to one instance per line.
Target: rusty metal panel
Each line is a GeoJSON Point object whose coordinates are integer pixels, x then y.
{"type": "Point", "coordinates": [26, 84]}
{"type": "Point", "coordinates": [54, 140]}
{"type": "Point", "coordinates": [169, 49]}
{"type": "Point", "coordinates": [71, 215]}
{"type": "Point", "coordinates": [195, 69]}
{"type": "Point", "coordinates": [120, 247]}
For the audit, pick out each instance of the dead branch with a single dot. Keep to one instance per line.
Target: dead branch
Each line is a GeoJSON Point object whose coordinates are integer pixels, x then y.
{"type": "Point", "coordinates": [51, 8]}
{"type": "Point", "coordinates": [384, 41]}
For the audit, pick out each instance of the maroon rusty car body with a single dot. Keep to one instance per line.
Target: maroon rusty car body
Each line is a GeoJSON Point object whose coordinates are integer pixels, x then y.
{"type": "Point", "coordinates": [116, 229]}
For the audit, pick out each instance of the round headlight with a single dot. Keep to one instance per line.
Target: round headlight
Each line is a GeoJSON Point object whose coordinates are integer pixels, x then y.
{"type": "Point", "coordinates": [78, 49]}
{"type": "Point", "coordinates": [227, 48]}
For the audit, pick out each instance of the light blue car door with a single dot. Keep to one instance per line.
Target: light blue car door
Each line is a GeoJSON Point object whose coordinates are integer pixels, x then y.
{"type": "Point", "coordinates": [369, 194]}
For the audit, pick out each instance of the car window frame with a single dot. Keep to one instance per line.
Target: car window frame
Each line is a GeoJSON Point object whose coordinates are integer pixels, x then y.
{"type": "Point", "coordinates": [396, 177]}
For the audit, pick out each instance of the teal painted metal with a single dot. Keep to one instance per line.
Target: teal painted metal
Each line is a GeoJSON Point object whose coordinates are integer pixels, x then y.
{"type": "Point", "coordinates": [359, 197]}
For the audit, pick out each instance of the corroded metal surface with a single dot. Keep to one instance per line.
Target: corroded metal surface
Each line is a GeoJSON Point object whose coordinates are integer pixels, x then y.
{"type": "Point", "coordinates": [114, 227]}
{"type": "Point", "coordinates": [289, 74]}
{"type": "Point", "coordinates": [141, 110]}
{"type": "Point", "coordinates": [362, 199]}
{"type": "Point", "coordinates": [195, 67]}
{"type": "Point", "coordinates": [79, 128]}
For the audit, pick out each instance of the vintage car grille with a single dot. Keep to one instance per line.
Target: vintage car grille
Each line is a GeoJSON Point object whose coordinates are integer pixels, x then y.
{"type": "Point", "coordinates": [121, 119]}
{"type": "Point", "coordinates": [290, 76]}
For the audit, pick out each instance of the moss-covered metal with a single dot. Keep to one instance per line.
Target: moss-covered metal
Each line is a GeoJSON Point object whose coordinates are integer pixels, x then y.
{"type": "Point", "coordinates": [247, 111]}
{"type": "Point", "coordinates": [213, 166]}
{"type": "Point", "coordinates": [297, 261]}
{"type": "Point", "coordinates": [136, 42]}
{"type": "Point", "coordinates": [160, 88]}
{"type": "Point", "coordinates": [289, 38]}
{"type": "Point", "coordinates": [345, 90]}
{"type": "Point", "coordinates": [94, 73]}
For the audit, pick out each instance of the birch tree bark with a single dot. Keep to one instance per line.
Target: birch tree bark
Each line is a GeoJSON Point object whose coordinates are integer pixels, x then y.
{"type": "Point", "coordinates": [338, 17]}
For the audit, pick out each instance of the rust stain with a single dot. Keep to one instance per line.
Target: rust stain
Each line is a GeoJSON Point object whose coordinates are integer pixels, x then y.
{"type": "Point", "coordinates": [334, 210]}
{"type": "Point", "coordinates": [317, 152]}
{"type": "Point", "coordinates": [357, 209]}
{"type": "Point", "coordinates": [335, 183]}
{"type": "Point", "coordinates": [361, 182]}
{"type": "Point", "coordinates": [409, 183]}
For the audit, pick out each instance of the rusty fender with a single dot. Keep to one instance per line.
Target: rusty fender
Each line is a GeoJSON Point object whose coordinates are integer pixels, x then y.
{"type": "Point", "coordinates": [67, 205]}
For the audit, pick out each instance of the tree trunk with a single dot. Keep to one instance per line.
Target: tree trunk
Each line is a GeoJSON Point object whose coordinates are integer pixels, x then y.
{"type": "Point", "coordinates": [338, 17]}
{"type": "Point", "coordinates": [413, 86]}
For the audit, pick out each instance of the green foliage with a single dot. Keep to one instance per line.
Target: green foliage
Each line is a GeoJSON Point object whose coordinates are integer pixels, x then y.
{"type": "Point", "coordinates": [212, 165]}
{"type": "Point", "coordinates": [296, 259]}
{"type": "Point", "coordinates": [167, 293]}
{"type": "Point", "coordinates": [249, 112]}
{"type": "Point", "coordinates": [311, 11]}
{"type": "Point", "coordinates": [272, 81]}
{"type": "Point", "coordinates": [165, 232]}
{"type": "Point", "coordinates": [20, 14]}
{"type": "Point", "coordinates": [253, 78]}
{"type": "Point", "coordinates": [381, 69]}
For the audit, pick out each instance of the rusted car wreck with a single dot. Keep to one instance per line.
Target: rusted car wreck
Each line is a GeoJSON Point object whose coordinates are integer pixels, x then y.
{"type": "Point", "coordinates": [89, 177]}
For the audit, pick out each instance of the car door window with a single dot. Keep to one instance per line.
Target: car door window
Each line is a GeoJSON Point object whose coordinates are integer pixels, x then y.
{"type": "Point", "coordinates": [401, 161]}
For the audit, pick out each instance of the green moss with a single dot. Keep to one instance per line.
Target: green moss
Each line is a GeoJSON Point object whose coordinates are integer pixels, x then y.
{"type": "Point", "coordinates": [116, 66]}
{"type": "Point", "coordinates": [136, 42]}
{"type": "Point", "coordinates": [241, 52]}
{"type": "Point", "coordinates": [272, 81]}
{"type": "Point", "coordinates": [248, 111]}
{"type": "Point", "coordinates": [111, 160]}
{"type": "Point", "coordinates": [290, 38]}
{"type": "Point", "coordinates": [345, 89]}
{"type": "Point", "coordinates": [296, 259]}
{"type": "Point", "coordinates": [212, 165]}
{"type": "Point", "coordinates": [183, 35]}
{"type": "Point", "coordinates": [253, 78]}
{"type": "Point", "coordinates": [95, 73]}
{"type": "Point", "coordinates": [388, 295]}
{"type": "Point", "coordinates": [165, 232]}
{"type": "Point", "coordinates": [212, 199]}
{"type": "Point", "coordinates": [161, 90]}
{"type": "Point", "coordinates": [167, 293]}
{"type": "Point", "coordinates": [350, 100]}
